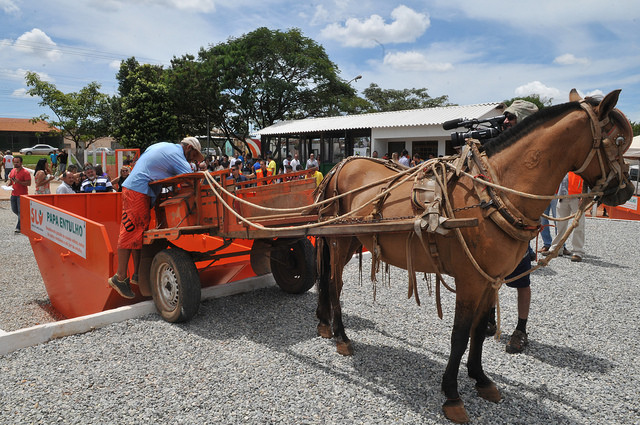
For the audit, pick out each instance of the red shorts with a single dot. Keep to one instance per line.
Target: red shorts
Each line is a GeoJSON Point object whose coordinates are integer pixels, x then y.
{"type": "Point", "coordinates": [136, 215]}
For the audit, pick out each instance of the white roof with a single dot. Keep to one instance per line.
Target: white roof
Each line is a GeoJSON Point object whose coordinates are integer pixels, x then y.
{"type": "Point", "coordinates": [634, 150]}
{"type": "Point", "coordinates": [408, 118]}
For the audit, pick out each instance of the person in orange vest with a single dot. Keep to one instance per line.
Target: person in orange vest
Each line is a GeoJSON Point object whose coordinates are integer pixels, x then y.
{"type": "Point", "coordinates": [263, 171]}
{"type": "Point", "coordinates": [572, 184]}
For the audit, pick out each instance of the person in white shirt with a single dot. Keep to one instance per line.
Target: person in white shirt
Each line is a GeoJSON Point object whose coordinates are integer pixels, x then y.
{"type": "Point", "coordinates": [295, 162]}
{"type": "Point", "coordinates": [8, 164]}
{"type": "Point", "coordinates": [312, 162]}
{"type": "Point", "coordinates": [404, 158]}
{"type": "Point", "coordinates": [67, 180]}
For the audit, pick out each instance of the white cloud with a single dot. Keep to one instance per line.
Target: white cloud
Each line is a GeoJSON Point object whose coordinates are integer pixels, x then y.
{"type": "Point", "coordinates": [38, 43]}
{"type": "Point", "coordinates": [115, 64]}
{"type": "Point", "coordinates": [407, 26]}
{"type": "Point", "coordinates": [320, 16]}
{"type": "Point", "coordinates": [569, 59]}
{"type": "Point", "coordinates": [22, 93]}
{"type": "Point", "coordinates": [536, 87]}
{"type": "Point", "coordinates": [414, 61]}
{"type": "Point", "coordinates": [204, 6]}
{"type": "Point", "coordinates": [9, 7]}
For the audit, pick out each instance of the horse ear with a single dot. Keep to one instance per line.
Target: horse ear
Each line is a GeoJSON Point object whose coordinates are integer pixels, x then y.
{"type": "Point", "coordinates": [608, 103]}
{"type": "Point", "coordinates": [574, 96]}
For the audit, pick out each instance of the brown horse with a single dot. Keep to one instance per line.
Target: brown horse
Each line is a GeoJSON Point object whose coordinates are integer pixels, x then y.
{"type": "Point", "coordinates": [587, 137]}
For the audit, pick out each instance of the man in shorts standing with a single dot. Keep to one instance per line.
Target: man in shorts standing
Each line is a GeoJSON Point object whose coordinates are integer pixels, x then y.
{"type": "Point", "coordinates": [159, 161]}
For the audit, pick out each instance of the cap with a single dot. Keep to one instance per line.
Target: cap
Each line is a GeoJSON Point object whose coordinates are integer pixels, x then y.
{"type": "Point", "coordinates": [521, 109]}
{"type": "Point", "coordinates": [194, 143]}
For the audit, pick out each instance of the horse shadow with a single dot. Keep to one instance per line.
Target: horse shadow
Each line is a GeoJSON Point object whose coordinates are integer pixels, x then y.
{"type": "Point", "coordinates": [383, 369]}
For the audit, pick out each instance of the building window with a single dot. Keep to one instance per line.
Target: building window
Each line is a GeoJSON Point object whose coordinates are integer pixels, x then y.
{"type": "Point", "coordinates": [425, 148]}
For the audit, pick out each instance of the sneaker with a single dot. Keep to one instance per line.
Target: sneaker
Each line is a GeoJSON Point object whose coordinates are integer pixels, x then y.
{"type": "Point", "coordinates": [121, 286]}
{"type": "Point", "coordinates": [576, 258]}
{"type": "Point", "coordinates": [17, 231]}
{"type": "Point", "coordinates": [517, 342]}
{"type": "Point", "coordinates": [134, 279]}
{"type": "Point", "coordinates": [543, 250]}
{"type": "Point", "coordinates": [566, 252]}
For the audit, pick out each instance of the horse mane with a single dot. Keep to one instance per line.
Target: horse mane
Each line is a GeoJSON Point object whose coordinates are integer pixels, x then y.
{"type": "Point", "coordinates": [515, 133]}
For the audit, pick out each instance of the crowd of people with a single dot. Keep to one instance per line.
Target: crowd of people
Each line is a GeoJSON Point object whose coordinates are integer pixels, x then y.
{"type": "Point", "coordinates": [244, 168]}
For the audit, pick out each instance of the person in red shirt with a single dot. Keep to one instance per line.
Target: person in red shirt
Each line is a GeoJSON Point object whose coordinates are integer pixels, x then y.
{"type": "Point", "coordinates": [20, 179]}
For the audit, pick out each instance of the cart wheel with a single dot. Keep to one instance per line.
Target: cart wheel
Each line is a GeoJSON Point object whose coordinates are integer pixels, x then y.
{"type": "Point", "coordinates": [175, 285]}
{"type": "Point", "coordinates": [293, 265]}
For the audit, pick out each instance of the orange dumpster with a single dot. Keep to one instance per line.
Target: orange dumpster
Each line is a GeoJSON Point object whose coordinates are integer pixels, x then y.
{"type": "Point", "coordinates": [74, 238]}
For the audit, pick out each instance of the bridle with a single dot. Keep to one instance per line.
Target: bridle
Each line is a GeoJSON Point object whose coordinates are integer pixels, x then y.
{"type": "Point", "coordinates": [614, 147]}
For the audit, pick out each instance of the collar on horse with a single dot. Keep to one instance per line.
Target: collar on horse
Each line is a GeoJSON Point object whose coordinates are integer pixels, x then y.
{"type": "Point", "coordinates": [498, 208]}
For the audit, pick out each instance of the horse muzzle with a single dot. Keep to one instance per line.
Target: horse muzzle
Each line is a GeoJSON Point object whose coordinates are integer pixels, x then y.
{"type": "Point", "coordinates": [615, 195]}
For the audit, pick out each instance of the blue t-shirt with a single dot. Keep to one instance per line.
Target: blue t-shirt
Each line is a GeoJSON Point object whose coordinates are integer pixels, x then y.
{"type": "Point", "coordinates": [159, 161]}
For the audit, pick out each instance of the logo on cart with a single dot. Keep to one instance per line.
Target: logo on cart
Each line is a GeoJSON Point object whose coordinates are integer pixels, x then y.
{"type": "Point", "coordinates": [36, 217]}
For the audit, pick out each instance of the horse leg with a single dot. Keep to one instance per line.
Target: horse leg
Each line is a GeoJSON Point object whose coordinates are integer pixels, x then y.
{"type": "Point", "coordinates": [486, 388]}
{"type": "Point", "coordinates": [323, 311]}
{"type": "Point", "coordinates": [453, 407]}
{"type": "Point", "coordinates": [341, 251]}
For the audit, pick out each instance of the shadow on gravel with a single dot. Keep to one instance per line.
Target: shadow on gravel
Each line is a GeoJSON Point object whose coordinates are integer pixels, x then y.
{"type": "Point", "coordinates": [280, 321]}
{"type": "Point", "coordinates": [568, 358]}
{"type": "Point", "coordinates": [596, 261]}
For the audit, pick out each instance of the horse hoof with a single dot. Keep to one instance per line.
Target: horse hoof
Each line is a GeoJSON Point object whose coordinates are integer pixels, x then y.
{"type": "Point", "coordinates": [324, 331]}
{"type": "Point", "coordinates": [454, 411]}
{"type": "Point", "coordinates": [345, 348]}
{"type": "Point", "coordinates": [489, 393]}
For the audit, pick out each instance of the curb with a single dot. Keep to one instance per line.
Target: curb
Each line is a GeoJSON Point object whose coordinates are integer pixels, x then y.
{"type": "Point", "coordinates": [28, 337]}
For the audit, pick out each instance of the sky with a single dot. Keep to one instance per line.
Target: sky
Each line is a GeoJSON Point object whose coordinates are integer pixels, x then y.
{"type": "Point", "coordinates": [472, 51]}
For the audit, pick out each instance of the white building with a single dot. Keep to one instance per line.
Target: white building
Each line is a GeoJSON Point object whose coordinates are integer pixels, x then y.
{"type": "Point", "coordinates": [333, 138]}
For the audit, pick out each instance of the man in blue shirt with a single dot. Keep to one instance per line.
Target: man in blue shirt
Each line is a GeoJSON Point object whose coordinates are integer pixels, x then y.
{"type": "Point", "coordinates": [94, 183]}
{"type": "Point", "coordinates": [159, 161]}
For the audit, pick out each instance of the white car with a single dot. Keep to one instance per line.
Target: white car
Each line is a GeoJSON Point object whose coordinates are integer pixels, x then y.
{"type": "Point", "coordinates": [38, 150]}
{"type": "Point", "coordinates": [99, 151]}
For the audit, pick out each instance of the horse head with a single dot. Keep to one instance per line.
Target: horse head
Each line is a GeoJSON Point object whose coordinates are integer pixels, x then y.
{"type": "Point", "coordinates": [612, 136]}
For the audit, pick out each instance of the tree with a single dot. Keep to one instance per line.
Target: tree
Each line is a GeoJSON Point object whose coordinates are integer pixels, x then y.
{"type": "Point", "coordinates": [255, 80]}
{"type": "Point", "coordinates": [636, 128]}
{"type": "Point", "coordinates": [143, 113]}
{"type": "Point", "coordinates": [79, 114]}
{"type": "Point", "coordinates": [384, 100]}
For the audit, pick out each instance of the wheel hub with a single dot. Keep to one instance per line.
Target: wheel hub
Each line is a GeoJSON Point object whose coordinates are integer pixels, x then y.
{"type": "Point", "coordinates": [168, 286]}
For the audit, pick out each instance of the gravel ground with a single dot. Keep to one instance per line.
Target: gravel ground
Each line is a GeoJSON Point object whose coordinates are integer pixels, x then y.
{"type": "Point", "coordinates": [254, 358]}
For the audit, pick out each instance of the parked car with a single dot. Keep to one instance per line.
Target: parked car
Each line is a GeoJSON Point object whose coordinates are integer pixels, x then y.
{"type": "Point", "coordinates": [99, 151]}
{"type": "Point", "coordinates": [38, 150]}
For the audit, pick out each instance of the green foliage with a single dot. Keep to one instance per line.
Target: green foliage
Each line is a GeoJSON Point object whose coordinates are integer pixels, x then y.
{"type": "Point", "coordinates": [636, 128]}
{"type": "Point", "coordinates": [257, 79]}
{"type": "Point", "coordinates": [383, 100]}
{"type": "Point", "coordinates": [78, 114]}
{"type": "Point", "coordinates": [143, 113]}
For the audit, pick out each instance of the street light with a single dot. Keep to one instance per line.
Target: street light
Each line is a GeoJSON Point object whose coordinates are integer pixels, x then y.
{"type": "Point", "coordinates": [354, 79]}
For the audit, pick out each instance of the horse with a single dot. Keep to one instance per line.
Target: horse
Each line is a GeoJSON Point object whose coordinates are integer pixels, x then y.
{"type": "Point", "coordinates": [583, 135]}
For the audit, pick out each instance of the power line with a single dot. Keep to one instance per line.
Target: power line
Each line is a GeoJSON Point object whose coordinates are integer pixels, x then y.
{"type": "Point", "coordinates": [80, 51]}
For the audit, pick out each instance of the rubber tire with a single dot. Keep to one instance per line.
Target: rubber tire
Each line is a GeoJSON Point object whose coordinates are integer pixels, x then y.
{"type": "Point", "coordinates": [260, 256]}
{"type": "Point", "coordinates": [178, 299]}
{"type": "Point", "coordinates": [293, 265]}
{"type": "Point", "coordinates": [29, 153]}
